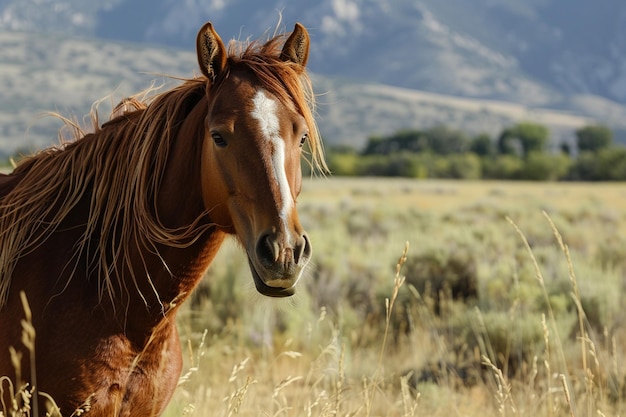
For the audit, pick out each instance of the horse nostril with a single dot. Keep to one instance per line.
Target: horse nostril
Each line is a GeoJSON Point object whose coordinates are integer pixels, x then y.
{"type": "Point", "coordinates": [267, 249]}
{"type": "Point", "coordinates": [302, 248]}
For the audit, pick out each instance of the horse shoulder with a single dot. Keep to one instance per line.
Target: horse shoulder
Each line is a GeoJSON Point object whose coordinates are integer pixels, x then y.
{"type": "Point", "coordinates": [8, 182]}
{"type": "Point", "coordinates": [150, 378]}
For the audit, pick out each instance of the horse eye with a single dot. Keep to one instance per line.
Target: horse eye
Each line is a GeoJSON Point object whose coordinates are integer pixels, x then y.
{"type": "Point", "coordinates": [304, 139]}
{"type": "Point", "coordinates": [218, 139]}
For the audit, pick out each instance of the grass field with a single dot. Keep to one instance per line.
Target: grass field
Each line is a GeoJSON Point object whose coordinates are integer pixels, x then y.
{"type": "Point", "coordinates": [433, 298]}
{"type": "Point", "coordinates": [488, 314]}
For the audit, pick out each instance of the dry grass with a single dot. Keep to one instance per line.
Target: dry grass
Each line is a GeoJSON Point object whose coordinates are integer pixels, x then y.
{"type": "Point", "coordinates": [345, 365]}
{"type": "Point", "coordinates": [527, 347]}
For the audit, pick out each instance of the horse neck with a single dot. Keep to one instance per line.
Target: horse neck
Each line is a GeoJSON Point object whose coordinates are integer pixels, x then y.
{"type": "Point", "coordinates": [180, 202]}
{"type": "Point", "coordinates": [174, 270]}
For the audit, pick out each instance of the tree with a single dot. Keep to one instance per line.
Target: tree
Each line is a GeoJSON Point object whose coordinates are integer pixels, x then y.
{"type": "Point", "coordinates": [482, 145]}
{"type": "Point", "coordinates": [522, 139]}
{"type": "Point", "coordinates": [445, 141]}
{"type": "Point", "coordinates": [404, 140]}
{"type": "Point", "coordinates": [439, 140]}
{"type": "Point", "coordinates": [593, 138]}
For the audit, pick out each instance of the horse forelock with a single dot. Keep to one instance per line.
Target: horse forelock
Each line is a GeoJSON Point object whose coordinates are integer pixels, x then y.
{"type": "Point", "coordinates": [287, 81]}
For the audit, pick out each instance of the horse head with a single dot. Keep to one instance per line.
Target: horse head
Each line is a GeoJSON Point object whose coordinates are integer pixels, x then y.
{"type": "Point", "coordinates": [254, 133]}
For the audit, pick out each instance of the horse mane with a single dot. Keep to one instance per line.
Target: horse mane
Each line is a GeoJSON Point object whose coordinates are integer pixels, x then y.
{"type": "Point", "coordinates": [119, 167]}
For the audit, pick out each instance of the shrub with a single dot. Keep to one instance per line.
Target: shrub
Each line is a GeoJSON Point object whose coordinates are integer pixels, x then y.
{"type": "Point", "coordinates": [502, 167]}
{"type": "Point", "coordinates": [342, 163]}
{"type": "Point", "coordinates": [540, 166]}
{"type": "Point", "coordinates": [608, 164]}
{"type": "Point", "coordinates": [394, 165]}
{"type": "Point", "coordinates": [465, 166]}
{"type": "Point", "coordinates": [436, 275]}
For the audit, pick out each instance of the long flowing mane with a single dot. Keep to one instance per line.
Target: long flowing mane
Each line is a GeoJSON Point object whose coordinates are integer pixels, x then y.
{"type": "Point", "coordinates": [118, 169]}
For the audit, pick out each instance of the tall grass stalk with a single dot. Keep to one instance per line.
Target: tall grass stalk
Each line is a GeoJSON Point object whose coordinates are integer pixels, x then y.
{"type": "Point", "coordinates": [587, 345]}
{"type": "Point", "coordinates": [389, 303]}
{"type": "Point", "coordinates": [563, 369]}
{"type": "Point", "coordinates": [503, 394]}
{"type": "Point", "coordinates": [28, 340]}
{"type": "Point", "coordinates": [589, 354]}
{"type": "Point", "coordinates": [24, 397]}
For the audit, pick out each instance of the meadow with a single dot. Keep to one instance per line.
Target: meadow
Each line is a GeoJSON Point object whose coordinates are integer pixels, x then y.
{"type": "Point", "coordinates": [426, 297]}
{"type": "Point", "coordinates": [507, 300]}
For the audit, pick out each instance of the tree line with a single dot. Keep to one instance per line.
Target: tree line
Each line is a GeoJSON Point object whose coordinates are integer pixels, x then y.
{"type": "Point", "coordinates": [520, 152]}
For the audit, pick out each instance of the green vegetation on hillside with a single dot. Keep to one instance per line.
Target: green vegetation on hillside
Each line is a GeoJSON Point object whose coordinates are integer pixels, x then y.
{"type": "Point", "coordinates": [520, 152]}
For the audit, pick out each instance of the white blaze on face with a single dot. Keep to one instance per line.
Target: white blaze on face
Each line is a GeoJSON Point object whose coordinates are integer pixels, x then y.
{"type": "Point", "coordinates": [264, 112]}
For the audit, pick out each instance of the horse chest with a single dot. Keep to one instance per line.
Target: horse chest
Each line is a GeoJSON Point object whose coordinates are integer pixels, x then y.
{"type": "Point", "coordinates": [119, 381]}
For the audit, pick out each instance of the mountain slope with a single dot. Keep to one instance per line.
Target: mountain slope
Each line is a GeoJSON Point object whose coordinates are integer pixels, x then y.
{"type": "Point", "coordinates": [535, 52]}
{"type": "Point", "coordinates": [67, 74]}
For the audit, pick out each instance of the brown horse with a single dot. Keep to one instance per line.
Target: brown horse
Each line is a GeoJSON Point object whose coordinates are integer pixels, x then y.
{"type": "Point", "coordinates": [106, 236]}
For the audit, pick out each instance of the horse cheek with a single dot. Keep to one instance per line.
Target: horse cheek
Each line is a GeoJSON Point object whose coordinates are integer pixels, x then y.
{"type": "Point", "coordinates": [214, 187]}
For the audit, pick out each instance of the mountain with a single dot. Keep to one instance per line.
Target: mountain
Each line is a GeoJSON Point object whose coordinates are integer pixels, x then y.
{"type": "Point", "coordinates": [380, 65]}
{"type": "Point", "coordinates": [534, 51]}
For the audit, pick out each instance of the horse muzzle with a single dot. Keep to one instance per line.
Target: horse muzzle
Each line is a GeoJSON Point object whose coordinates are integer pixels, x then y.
{"type": "Point", "coordinates": [277, 265]}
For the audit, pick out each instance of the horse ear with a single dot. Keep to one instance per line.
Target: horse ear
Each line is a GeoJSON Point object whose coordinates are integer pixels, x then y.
{"type": "Point", "coordinates": [296, 48]}
{"type": "Point", "coordinates": [211, 52]}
